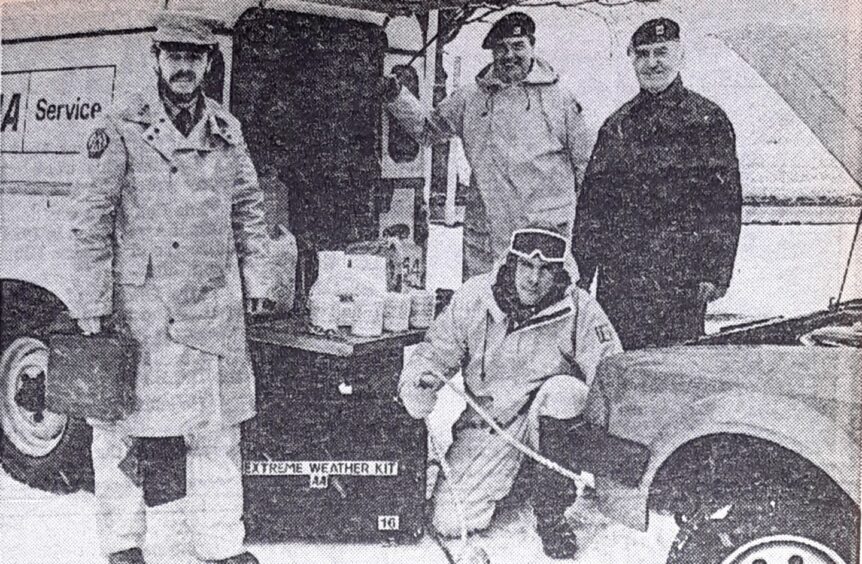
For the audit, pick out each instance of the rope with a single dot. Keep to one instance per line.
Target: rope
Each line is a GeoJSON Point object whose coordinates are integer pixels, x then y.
{"type": "Point", "coordinates": [580, 480]}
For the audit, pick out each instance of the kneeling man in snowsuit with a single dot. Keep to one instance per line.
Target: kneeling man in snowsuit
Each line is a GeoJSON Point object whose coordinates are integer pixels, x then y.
{"type": "Point", "coordinates": [528, 342]}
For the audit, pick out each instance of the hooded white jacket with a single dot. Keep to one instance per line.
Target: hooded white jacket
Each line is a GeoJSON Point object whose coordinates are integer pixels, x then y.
{"type": "Point", "coordinates": [527, 145]}
{"type": "Point", "coordinates": [502, 369]}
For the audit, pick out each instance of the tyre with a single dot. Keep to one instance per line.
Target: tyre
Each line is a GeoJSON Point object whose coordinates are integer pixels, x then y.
{"type": "Point", "coordinates": [771, 530]}
{"type": "Point", "coordinates": [44, 450]}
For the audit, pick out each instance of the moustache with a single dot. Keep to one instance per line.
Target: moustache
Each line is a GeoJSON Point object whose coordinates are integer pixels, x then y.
{"type": "Point", "coordinates": [183, 76]}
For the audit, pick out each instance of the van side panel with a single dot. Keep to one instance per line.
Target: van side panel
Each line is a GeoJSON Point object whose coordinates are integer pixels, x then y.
{"type": "Point", "coordinates": [54, 90]}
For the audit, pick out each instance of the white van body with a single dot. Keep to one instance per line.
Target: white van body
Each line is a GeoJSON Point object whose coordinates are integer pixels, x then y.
{"type": "Point", "coordinates": [63, 66]}
{"type": "Point", "coordinates": [65, 62]}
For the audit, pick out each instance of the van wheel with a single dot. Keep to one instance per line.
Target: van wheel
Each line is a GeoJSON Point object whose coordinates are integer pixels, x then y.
{"type": "Point", "coordinates": [774, 531]}
{"type": "Point", "coordinates": [44, 450]}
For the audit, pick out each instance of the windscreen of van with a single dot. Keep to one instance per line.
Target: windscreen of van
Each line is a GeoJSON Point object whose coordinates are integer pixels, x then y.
{"type": "Point", "coordinates": [306, 89]}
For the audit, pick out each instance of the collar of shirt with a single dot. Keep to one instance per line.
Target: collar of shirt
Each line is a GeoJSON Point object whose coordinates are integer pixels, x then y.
{"type": "Point", "coordinates": [194, 106]}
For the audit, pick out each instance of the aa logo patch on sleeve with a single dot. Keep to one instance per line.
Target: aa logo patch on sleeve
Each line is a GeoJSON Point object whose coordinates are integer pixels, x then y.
{"type": "Point", "coordinates": [97, 143]}
{"type": "Point", "coordinates": [604, 333]}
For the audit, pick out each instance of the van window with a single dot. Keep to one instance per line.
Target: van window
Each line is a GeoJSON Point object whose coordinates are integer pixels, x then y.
{"type": "Point", "coordinates": [402, 148]}
{"type": "Point", "coordinates": [214, 80]}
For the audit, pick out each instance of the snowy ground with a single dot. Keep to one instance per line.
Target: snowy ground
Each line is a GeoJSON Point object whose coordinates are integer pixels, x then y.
{"type": "Point", "coordinates": [42, 528]}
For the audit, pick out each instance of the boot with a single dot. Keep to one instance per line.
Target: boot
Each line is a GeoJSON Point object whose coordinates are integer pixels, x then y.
{"type": "Point", "coordinates": [244, 558]}
{"type": "Point", "coordinates": [552, 493]}
{"type": "Point", "coordinates": [128, 556]}
{"type": "Point", "coordinates": [558, 539]}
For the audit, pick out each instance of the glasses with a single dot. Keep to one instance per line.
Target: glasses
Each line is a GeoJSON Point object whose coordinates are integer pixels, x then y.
{"type": "Point", "coordinates": [547, 245]}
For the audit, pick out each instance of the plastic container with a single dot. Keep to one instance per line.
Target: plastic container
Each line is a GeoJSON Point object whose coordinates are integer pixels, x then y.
{"type": "Point", "coordinates": [421, 309]}
{"type": "Point", "coordinates": [370, 270]}
{"type": "Point", "coordinates": [324, 311]}
{"type": "Point", "coordinates": [368, 315]}
{"type": "Point", "coordinates": [396, 312]}
{"type": "Point", "coordinates": [331, 262]}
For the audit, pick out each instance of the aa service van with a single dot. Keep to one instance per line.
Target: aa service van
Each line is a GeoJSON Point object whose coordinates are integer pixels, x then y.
{"type": "Point", "coordinates": [304, 78]}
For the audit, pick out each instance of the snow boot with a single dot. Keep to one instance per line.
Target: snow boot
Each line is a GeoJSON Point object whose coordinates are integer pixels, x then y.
{"type": "Point", "coordinates": [128, 556]}
{"type": "Point", "coordinates": [553, 493]}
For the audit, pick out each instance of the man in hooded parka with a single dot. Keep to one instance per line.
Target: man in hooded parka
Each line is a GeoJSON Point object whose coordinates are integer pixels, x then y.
{"type": "Point", "coordinates": [524, 136]}
{"type": "Point", "coordinates": [169, 234]}
{"type": "Point", "coordinates": [527, 342]}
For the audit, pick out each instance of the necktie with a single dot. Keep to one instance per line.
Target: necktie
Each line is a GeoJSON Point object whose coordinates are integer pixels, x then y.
{"type": "Point", "coordinates": [184, 122]}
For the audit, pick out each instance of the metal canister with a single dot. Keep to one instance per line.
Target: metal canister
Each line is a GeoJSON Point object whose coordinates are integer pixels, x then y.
{"type": "Point", "coordinates": [396, 312]}
{"type": "Point", "coordinates": [368, 315]}
{"type": "Point", "coordinates": [421, 309]}
{"type": "Point", "coordinates": [324, 311]}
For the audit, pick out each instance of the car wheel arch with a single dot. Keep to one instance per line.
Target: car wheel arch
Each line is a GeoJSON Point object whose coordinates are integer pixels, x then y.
{"type": "Point", "coordinates": [762, 417]}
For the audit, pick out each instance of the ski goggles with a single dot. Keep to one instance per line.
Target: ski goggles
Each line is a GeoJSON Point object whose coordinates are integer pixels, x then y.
{"type": "Point", "coordinates": [547, 245]}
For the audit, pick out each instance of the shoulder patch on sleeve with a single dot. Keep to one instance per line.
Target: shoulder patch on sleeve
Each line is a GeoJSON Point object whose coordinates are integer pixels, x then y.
{"type": "Point", "coordinates": [97, 143]}
{"type": "Point", "coordinates": [604, 333]}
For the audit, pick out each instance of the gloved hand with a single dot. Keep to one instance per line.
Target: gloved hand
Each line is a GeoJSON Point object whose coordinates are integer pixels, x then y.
{"type": "Point", "coordinates": [391, 88]}
{"type": "Point", "coordinates": [419, 399]}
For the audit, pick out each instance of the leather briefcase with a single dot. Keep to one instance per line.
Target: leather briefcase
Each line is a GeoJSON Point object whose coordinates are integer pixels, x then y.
{"type": "Point", "coordinates": [91, 376]}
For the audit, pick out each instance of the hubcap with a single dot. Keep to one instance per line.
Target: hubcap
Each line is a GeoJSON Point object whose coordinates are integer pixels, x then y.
{"type": "Point", "coordinates": [783, 549]}
{"type": "Point", "coordinates": [34, 433]}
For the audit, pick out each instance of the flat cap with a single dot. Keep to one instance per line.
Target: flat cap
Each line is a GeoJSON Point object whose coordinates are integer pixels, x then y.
{"type": "Point", "coordinates": [173, 26]}
{"type": "Point", "coordinates": [658, 30]}
{"type": "Point", "coordinates": [515, 24]}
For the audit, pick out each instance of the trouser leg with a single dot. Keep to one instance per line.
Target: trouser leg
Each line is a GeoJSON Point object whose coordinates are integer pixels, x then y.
{"type": "Point", "coordinates": [483, 468]}
{"type": "Point", "coordinates": [214, 493]}
{"type": "Point", "coordinates": [121, 513]}
{"type": "Point", "coordinates": [655, 319]}
{"type": "Point", "coordinates": [478, 252]}
{"type": "Point", "coordinates": [478, 257]}
{"type": "Point", "coordinates": [684, 320]}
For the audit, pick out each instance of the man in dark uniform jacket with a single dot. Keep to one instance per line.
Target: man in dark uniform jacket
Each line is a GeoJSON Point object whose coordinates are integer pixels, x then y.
{"type": "Point", "coordinates": [658, 220]}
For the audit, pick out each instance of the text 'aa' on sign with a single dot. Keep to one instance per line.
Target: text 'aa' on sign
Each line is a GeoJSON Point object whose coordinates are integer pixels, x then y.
{"type": "Point", "coordinates": [53, 111]}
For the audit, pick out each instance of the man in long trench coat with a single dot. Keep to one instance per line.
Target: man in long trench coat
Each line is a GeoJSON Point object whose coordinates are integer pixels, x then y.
{"type": "Point", "coordinates": [169, 235]}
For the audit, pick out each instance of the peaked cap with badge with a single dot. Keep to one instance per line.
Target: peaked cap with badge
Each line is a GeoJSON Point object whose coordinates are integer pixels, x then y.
{"type": "Point", "coordinates": [659, 30]}
{"type": "Point", "coordinates": [516, 24]}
